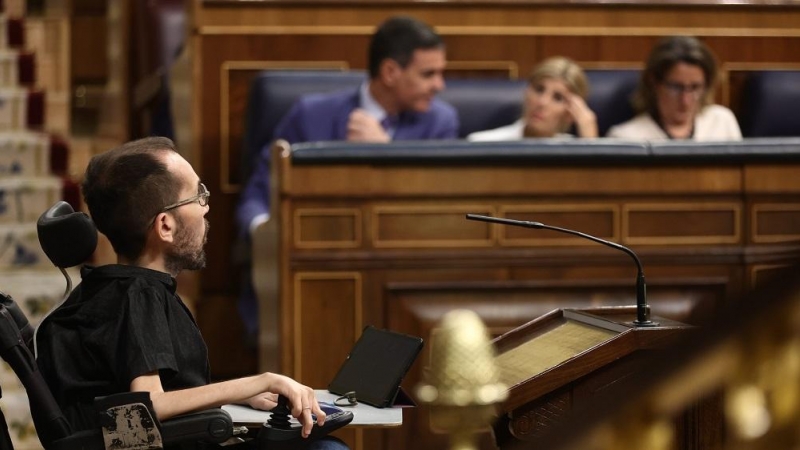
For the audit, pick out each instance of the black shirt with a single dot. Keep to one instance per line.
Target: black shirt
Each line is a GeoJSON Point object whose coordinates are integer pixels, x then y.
{"type": "Point", "coordinates": [121, 322]}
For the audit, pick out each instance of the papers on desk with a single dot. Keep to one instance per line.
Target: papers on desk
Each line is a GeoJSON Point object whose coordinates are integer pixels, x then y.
{"type": "Point", "coordinates": [363, 415]}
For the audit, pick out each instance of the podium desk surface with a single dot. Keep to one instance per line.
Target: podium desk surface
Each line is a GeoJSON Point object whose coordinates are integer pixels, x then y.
{"type": "Point", "coordinates": [363, 415]}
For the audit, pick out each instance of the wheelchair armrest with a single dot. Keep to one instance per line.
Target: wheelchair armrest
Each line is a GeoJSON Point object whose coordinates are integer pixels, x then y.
{"type": "Point", "coordinates": [135, 408]}
{"type": "Point", "coordinates": [211, 425]}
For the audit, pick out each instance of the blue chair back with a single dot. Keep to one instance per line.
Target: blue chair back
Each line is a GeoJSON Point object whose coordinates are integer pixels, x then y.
{"type": "Point", "coordinates": [484, 104]}
{"type": "Point", "coordinates": [610, 92]}
{"type": "Point", "coordinates": [272, 94]}
{"type": "Point", "coordinates": [771, 104]}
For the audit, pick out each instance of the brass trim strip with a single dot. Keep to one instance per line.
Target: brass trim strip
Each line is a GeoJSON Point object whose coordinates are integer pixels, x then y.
{"type": "Point", "coordinates": [298, 309]}
{"type": "Point", "coordinates": [752, 66]}
{"type": "Point", "coordinates": [611, 65]}
{"type": "Point", "coordinates": [726, 69]}
{"type": "Point", "coordinates": [215, 30]}
{"type": "Point", "coordinates": [226, 186]}
{"type": "Point", "coordinates": [760, 268]}
{"type": "Point", "coordinates": [419, 209]}
{"type": "Point", "coordinates": [353, 213]}
{"type": "Point", "coordinates": [197, 103]}
{"type": "Point", "coordinates": [510, 66]}
{"type": "Point", "coordinates": [559, 241]}
{"type": "Point", "coordinates": [736, 208]}
{"type": "Point", "coordinates": [772, 238]}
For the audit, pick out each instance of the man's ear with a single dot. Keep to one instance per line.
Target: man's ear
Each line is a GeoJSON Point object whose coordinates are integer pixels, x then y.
{"type": "Point", "coordinates": [390, 71]}
{"type": "Point", "coordinates": [164, 228]}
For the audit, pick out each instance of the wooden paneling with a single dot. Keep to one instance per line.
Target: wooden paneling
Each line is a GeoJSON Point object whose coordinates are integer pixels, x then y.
{"type": "Point", "coordinates": [231, 42]}
{"type": "Point", "coordinates": [418, 226]}
{"type": "Point", "coordinates": [702, 19]}
{"type": "Point", "coordinates": [89, 56]}
{"type": "Point", "coordinates": [691, 225]}
{"type": "Point", "coordinates": [327, 228]}
{"type": "Point", "coordinates": [327, 321]}
{"type": "Point", "coordinates": [776, 223]}
{"type": "Point", "coordinates": [601, 220]}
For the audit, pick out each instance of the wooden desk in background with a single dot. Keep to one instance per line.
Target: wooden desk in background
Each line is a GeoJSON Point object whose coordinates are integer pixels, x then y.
{"type": "Point", "coordinates": [377, 235]}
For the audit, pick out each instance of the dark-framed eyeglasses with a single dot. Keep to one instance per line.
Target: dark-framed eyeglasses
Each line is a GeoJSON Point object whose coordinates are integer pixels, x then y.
{"type": "Point", "coordinates": [201, 197]}
{"type": "Point", "coordinates": [696, 90]}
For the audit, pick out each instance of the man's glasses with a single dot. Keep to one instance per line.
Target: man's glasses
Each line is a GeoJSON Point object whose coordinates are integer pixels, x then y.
{"type": "Point", "coordinates": [678, 89]}
{"type": "Point", "coordinates": [201, 197]}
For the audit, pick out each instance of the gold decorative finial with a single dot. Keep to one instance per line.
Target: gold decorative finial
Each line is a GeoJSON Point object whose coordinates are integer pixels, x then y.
{"type": "Point", "coordinates": [461, 385]}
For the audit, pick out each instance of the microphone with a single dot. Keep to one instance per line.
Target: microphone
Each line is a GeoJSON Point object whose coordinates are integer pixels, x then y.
{"type": "Point", "coordinates": [642, 309]}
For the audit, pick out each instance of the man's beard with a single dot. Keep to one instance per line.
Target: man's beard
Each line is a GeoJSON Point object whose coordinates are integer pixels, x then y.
{"type": "Point", "coordinates": [185, 253]}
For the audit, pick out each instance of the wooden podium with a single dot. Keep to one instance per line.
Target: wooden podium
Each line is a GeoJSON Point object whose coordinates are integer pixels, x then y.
{"type": "Point", "coordinates": [562, 360]}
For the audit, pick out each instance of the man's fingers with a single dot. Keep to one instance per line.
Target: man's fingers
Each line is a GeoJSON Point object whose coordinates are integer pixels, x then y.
{"type": "Point", "coordinates": [305, 421]}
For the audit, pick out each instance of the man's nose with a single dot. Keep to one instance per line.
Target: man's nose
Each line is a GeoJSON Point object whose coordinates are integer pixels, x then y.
{"type": "Point", "coordinates": [439, 83]}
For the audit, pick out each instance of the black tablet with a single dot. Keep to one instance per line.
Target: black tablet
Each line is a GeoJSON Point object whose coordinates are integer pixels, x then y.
{"type": "Point", "coordinates": [376, 365]}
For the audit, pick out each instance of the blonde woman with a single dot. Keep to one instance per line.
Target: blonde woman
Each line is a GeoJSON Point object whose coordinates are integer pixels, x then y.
{"type": "Point", "coordinates": [555, 99]}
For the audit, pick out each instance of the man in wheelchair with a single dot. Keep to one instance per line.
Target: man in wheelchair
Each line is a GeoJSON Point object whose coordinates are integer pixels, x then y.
{"type": "Point", "coordinates": [124, 328]}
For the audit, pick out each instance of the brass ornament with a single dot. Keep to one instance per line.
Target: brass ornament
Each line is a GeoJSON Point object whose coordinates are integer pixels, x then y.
{"type": "Point", "coordinates": [461, 385]}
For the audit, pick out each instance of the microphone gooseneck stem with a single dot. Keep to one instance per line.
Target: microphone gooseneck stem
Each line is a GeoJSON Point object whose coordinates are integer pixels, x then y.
{"type": "Point", "coordinates": [642, 309]}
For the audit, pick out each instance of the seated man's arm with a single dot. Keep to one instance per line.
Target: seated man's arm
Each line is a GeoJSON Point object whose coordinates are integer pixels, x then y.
{"type": "Point", "coordinates": [253, 207]}
{"type": "Point", "coordinates": [448, 127]}
{"type": "Point", "coordinates": [254, 200]}
{"type": "Point", "coordinates": [174, 403]}
{"type": "Point", "coordinates": [291, 127]}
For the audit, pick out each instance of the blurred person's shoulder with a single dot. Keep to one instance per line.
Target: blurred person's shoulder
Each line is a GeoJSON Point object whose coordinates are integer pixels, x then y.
{"type": "Point", "coordinates": [716, 122]}
{"type": "Point", "coordinates": [641, 127]}
{"type": "Point", "coordinates": [512, 132]}
{"type": "Point", "coordinates": [440, 107]}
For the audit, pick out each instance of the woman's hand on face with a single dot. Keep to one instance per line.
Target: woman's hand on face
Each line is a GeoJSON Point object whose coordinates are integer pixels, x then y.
{"type": "Point", "coordinates": [584, 117]}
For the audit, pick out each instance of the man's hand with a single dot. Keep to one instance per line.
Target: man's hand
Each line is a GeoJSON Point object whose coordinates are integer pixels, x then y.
{"type": "Point", "coordinates": [301, 397]}
{"type": "Point", "coordinates": [584, 117]}
{"type": "Point", "coordinates": [361, 127]}
{"type": "Point", "coordinates": [265, 401]}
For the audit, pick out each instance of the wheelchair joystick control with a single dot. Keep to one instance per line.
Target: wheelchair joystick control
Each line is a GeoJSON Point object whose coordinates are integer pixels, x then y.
{"type": "Point", "coordinates": [280, 415]}
{"type": "Point", "coordinates": [280, 433]}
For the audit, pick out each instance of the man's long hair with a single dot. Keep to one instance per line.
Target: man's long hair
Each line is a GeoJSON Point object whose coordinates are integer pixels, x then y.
{"type": "Point", "coordinates": [125, 188]}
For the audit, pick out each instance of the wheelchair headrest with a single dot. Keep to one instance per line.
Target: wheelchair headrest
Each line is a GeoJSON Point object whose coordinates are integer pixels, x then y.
{"type": "Point", "coordinates": [67, 237]}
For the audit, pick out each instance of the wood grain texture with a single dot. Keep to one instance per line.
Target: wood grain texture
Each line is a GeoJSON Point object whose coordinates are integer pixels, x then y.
{"type": "Point", "coordinates": [232, 41]}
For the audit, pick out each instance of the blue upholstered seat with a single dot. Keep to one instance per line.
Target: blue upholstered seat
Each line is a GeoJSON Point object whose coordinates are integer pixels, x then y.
{"type": "Point", "coordinates": [273, 92]}
{"type": "Point", "coordinates": [484, 104]}
{"type": "Point", "coordinates": [610, 92]}
{"type": "Point", "coordinates": [481, 104]}
{"type": "Point", "coordinates": [771, 104]}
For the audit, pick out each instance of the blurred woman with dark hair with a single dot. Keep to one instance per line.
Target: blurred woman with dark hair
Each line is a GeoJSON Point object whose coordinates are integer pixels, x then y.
{"type": "Point", "coordinates": [675, 96]}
